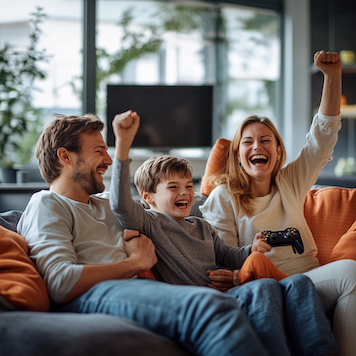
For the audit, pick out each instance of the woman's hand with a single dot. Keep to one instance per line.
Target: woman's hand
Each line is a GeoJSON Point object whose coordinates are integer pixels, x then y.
{"type": "Point", "coordinates": [260, 244]}
{"type": "Point", "coordinates": [328, 63]}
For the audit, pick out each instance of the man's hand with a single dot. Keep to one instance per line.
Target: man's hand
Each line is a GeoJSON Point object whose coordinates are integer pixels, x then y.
{"type": "Point", "coordinates": [328, 63]}
{"type": "Point", "coordinates": [221, 279]}
{"type": "Point", "coordinates": [140, 249]}
{"type": "Point", "coordinates": [260, 244]}
{"type": "Point", "coordinates": [125, 127]}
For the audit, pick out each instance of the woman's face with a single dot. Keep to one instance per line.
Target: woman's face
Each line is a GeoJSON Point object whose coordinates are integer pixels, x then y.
{"type": "Point", "coordinates": [258, 151]}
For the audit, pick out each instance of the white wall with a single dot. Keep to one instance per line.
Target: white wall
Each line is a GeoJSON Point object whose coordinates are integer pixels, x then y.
{"type": "Point", "coordinates": [297, 84]}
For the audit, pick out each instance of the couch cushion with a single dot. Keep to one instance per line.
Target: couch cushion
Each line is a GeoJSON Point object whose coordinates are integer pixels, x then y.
{"type": "Point", "coordinates": [330, 212]}
{"type": "Point", "coordinates": [68, 334]}
{"type": "Point", "coordinates": [215, 164]}
{"type": "Point", "coordinates": [20, 283]}
{"type": "Point", "coordinates": [9, 219]}
{"type": "Point", "coordinates": [346, 247]}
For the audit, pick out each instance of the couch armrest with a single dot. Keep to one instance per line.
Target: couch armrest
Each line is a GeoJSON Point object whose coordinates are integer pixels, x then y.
{"type": "Point", "coordinates": [329, 213]}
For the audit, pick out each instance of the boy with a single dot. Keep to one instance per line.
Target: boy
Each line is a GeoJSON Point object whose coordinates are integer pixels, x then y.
{"type": "Point", "coordinates": [188, 247]}
{"type": "Point", "coordinates": [165, 185]}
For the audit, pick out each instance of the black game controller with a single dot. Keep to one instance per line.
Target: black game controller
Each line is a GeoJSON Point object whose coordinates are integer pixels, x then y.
{"type": "Point", "coordinates": [287, 237]}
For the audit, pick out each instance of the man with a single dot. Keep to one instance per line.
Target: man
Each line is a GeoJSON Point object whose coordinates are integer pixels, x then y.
{"type": "Point", "coordinates": [79, 248]}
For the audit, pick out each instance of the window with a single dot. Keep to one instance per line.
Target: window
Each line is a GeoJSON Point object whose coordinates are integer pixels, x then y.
{"type": "Point", "coordinates": [61, 37]}
{"type": "Point", "coordinates": [234, 48]}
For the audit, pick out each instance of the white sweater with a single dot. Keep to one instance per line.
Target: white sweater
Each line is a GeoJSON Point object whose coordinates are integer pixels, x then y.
{"type": "Point", "coordinates": [284, 206]}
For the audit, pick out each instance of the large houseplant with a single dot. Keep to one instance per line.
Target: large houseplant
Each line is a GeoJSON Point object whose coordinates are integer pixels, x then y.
{"type": "Point", "coordinates": [20, 121]}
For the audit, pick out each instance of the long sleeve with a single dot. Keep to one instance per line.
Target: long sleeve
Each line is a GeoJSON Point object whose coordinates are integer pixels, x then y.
{"type": "Point", "coordinates": [63, 235]}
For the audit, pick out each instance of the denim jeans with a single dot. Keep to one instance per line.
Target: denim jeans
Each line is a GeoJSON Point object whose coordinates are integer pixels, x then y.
{"type": "Point", "coordinates": [205, 321]}
{"type": "Point", "coordinates": [296, 322]}
{"type": "Point", "coordinates": [208, 322]}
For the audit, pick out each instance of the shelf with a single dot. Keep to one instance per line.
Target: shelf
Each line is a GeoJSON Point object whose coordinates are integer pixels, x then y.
{"type": "Point", "coordinates": [349, 68]}
{"type": "Point", "coordinates": [345, 181]}
{"type": "Point", "coordinates": [23, 186]}
{"type": "Point", "coordinates": [348, 111]}
{"type": "Point", "coordinates": [345, 69]}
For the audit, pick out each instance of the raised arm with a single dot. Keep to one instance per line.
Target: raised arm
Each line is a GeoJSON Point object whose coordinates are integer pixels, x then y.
{"type": "Point", "coordinates": [125, 126]}
{"type": "Point", "coordinates": [329, 64]}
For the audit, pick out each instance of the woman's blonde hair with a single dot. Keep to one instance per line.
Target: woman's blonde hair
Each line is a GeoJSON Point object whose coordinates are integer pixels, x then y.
{"type": "Point", "coordinates": [238, 182]}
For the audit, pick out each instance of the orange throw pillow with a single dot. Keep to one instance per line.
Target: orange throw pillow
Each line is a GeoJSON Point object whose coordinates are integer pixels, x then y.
{"type": "Point", "coordinates": [147, 274]}
{"type": "Point", "coordinates": [20, 283]}
{"type": "Point", "coordinates": [215, 164]}
{"type": "Point", "coordinates": [329, 213]}
{"type": "Point", "coordinates": [346, 247]}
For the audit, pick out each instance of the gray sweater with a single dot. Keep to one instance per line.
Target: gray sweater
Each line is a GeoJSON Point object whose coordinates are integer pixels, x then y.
{"type": "Point", "coordinates": [186, 249]}
{"type": "Point", "coordinates": [64, 234]}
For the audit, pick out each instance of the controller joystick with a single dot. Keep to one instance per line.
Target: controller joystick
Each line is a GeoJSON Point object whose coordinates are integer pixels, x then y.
{"type": "Point", "coordinates": [288, 237]}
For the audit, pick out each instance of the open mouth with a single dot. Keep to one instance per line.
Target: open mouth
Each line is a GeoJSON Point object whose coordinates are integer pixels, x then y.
{"type": "Point", "coordinates": [259, 159]}
{"type": "Point", "coordinates": [181, 204]}
{"type": "Point", "coordinates": [101, 170]}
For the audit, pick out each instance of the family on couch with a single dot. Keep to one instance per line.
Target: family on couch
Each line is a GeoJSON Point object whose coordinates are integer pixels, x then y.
{"type": "Point", "coordinates": [88, 265]}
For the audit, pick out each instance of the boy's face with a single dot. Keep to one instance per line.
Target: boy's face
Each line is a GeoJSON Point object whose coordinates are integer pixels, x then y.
{"type": "Point", "coordinates": [174, 197]}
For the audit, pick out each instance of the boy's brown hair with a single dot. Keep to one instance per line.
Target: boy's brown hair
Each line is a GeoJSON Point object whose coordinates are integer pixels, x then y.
{"type": "Point", "coordinates": [63, 131]}
{"type": "Point", "coordinates": [152, 171]}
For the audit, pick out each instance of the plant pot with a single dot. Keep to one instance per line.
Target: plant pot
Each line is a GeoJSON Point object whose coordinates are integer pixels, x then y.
{"type": "Point", "coordinates": [8, 175]}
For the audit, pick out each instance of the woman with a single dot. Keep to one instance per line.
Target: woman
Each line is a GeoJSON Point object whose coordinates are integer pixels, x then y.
{"type": "Point", "coordinates": [255, 194]}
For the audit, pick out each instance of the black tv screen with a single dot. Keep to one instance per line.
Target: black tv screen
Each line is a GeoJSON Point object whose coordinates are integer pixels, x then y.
{"type": "Point", "coordinates": [171, 116]}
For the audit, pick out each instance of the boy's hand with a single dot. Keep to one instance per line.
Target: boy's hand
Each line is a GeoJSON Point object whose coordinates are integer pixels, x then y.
{"type": "Point", "coordinates": [129, 234]}
{"type": "Point", "coordinates": [125, 126]}
{"type": "Point", "coordinates": [329, 63]}
{"type": "Point", "coordinates": [221, 279]}
{"type": "Point", "coordinates": [260, 244]}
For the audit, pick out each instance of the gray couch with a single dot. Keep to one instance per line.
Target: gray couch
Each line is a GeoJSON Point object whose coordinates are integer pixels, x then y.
{"type": "Point", "coordinates": [24, 333]}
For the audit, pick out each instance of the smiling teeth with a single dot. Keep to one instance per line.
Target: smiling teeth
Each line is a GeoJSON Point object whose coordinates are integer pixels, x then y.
{"type": "Point", "coordinates": [258, 157]}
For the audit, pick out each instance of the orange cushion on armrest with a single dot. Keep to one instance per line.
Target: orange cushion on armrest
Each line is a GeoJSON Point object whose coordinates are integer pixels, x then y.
{"type": "Point", "coordinates": [215, 164]}
{"type": "Point", "coordinates": [346, 247]}
{"type": "Point", "coordinates": [329, 213]}
{"type": "Point", "coordinates": [20, 283]}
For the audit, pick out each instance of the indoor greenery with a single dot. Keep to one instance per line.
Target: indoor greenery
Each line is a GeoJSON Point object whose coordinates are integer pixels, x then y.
{"type": "Point", "coordinates": [20, 121]}
{"type": "Point", "coordinates": [136, 42]}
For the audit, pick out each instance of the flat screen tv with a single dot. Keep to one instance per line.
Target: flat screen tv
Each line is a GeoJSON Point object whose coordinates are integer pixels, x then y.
{"type": "Point", "coordinates": [170, 116]}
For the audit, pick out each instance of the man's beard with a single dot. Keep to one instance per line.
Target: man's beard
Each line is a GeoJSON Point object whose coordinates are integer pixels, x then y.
{"type": "Point", "coordinates": [87, 179]}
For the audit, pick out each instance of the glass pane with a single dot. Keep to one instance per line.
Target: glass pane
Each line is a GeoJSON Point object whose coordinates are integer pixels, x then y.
{"type": "Point", "coordinates": [252, 57]}
{"type": "Point", "coordinates": [151, 42]}
{"type": "Point", "coordinates": [61, 37]}
{"type": "Point", "coordinates": [236, 49]}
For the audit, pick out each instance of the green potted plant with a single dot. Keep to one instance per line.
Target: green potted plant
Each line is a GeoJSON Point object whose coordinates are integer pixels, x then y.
{"type": "Point", "coordinates": [20, 122]}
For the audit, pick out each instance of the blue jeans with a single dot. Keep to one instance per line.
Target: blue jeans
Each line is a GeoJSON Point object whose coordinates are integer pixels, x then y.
{"type": "Point", "coordinates": [205, 321]}
{"type": "Point", "coordinates": [296, 323]}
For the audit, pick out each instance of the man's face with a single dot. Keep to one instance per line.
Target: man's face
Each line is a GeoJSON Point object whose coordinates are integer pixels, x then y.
{"type": "Point", "coordinates": [92, 163]}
